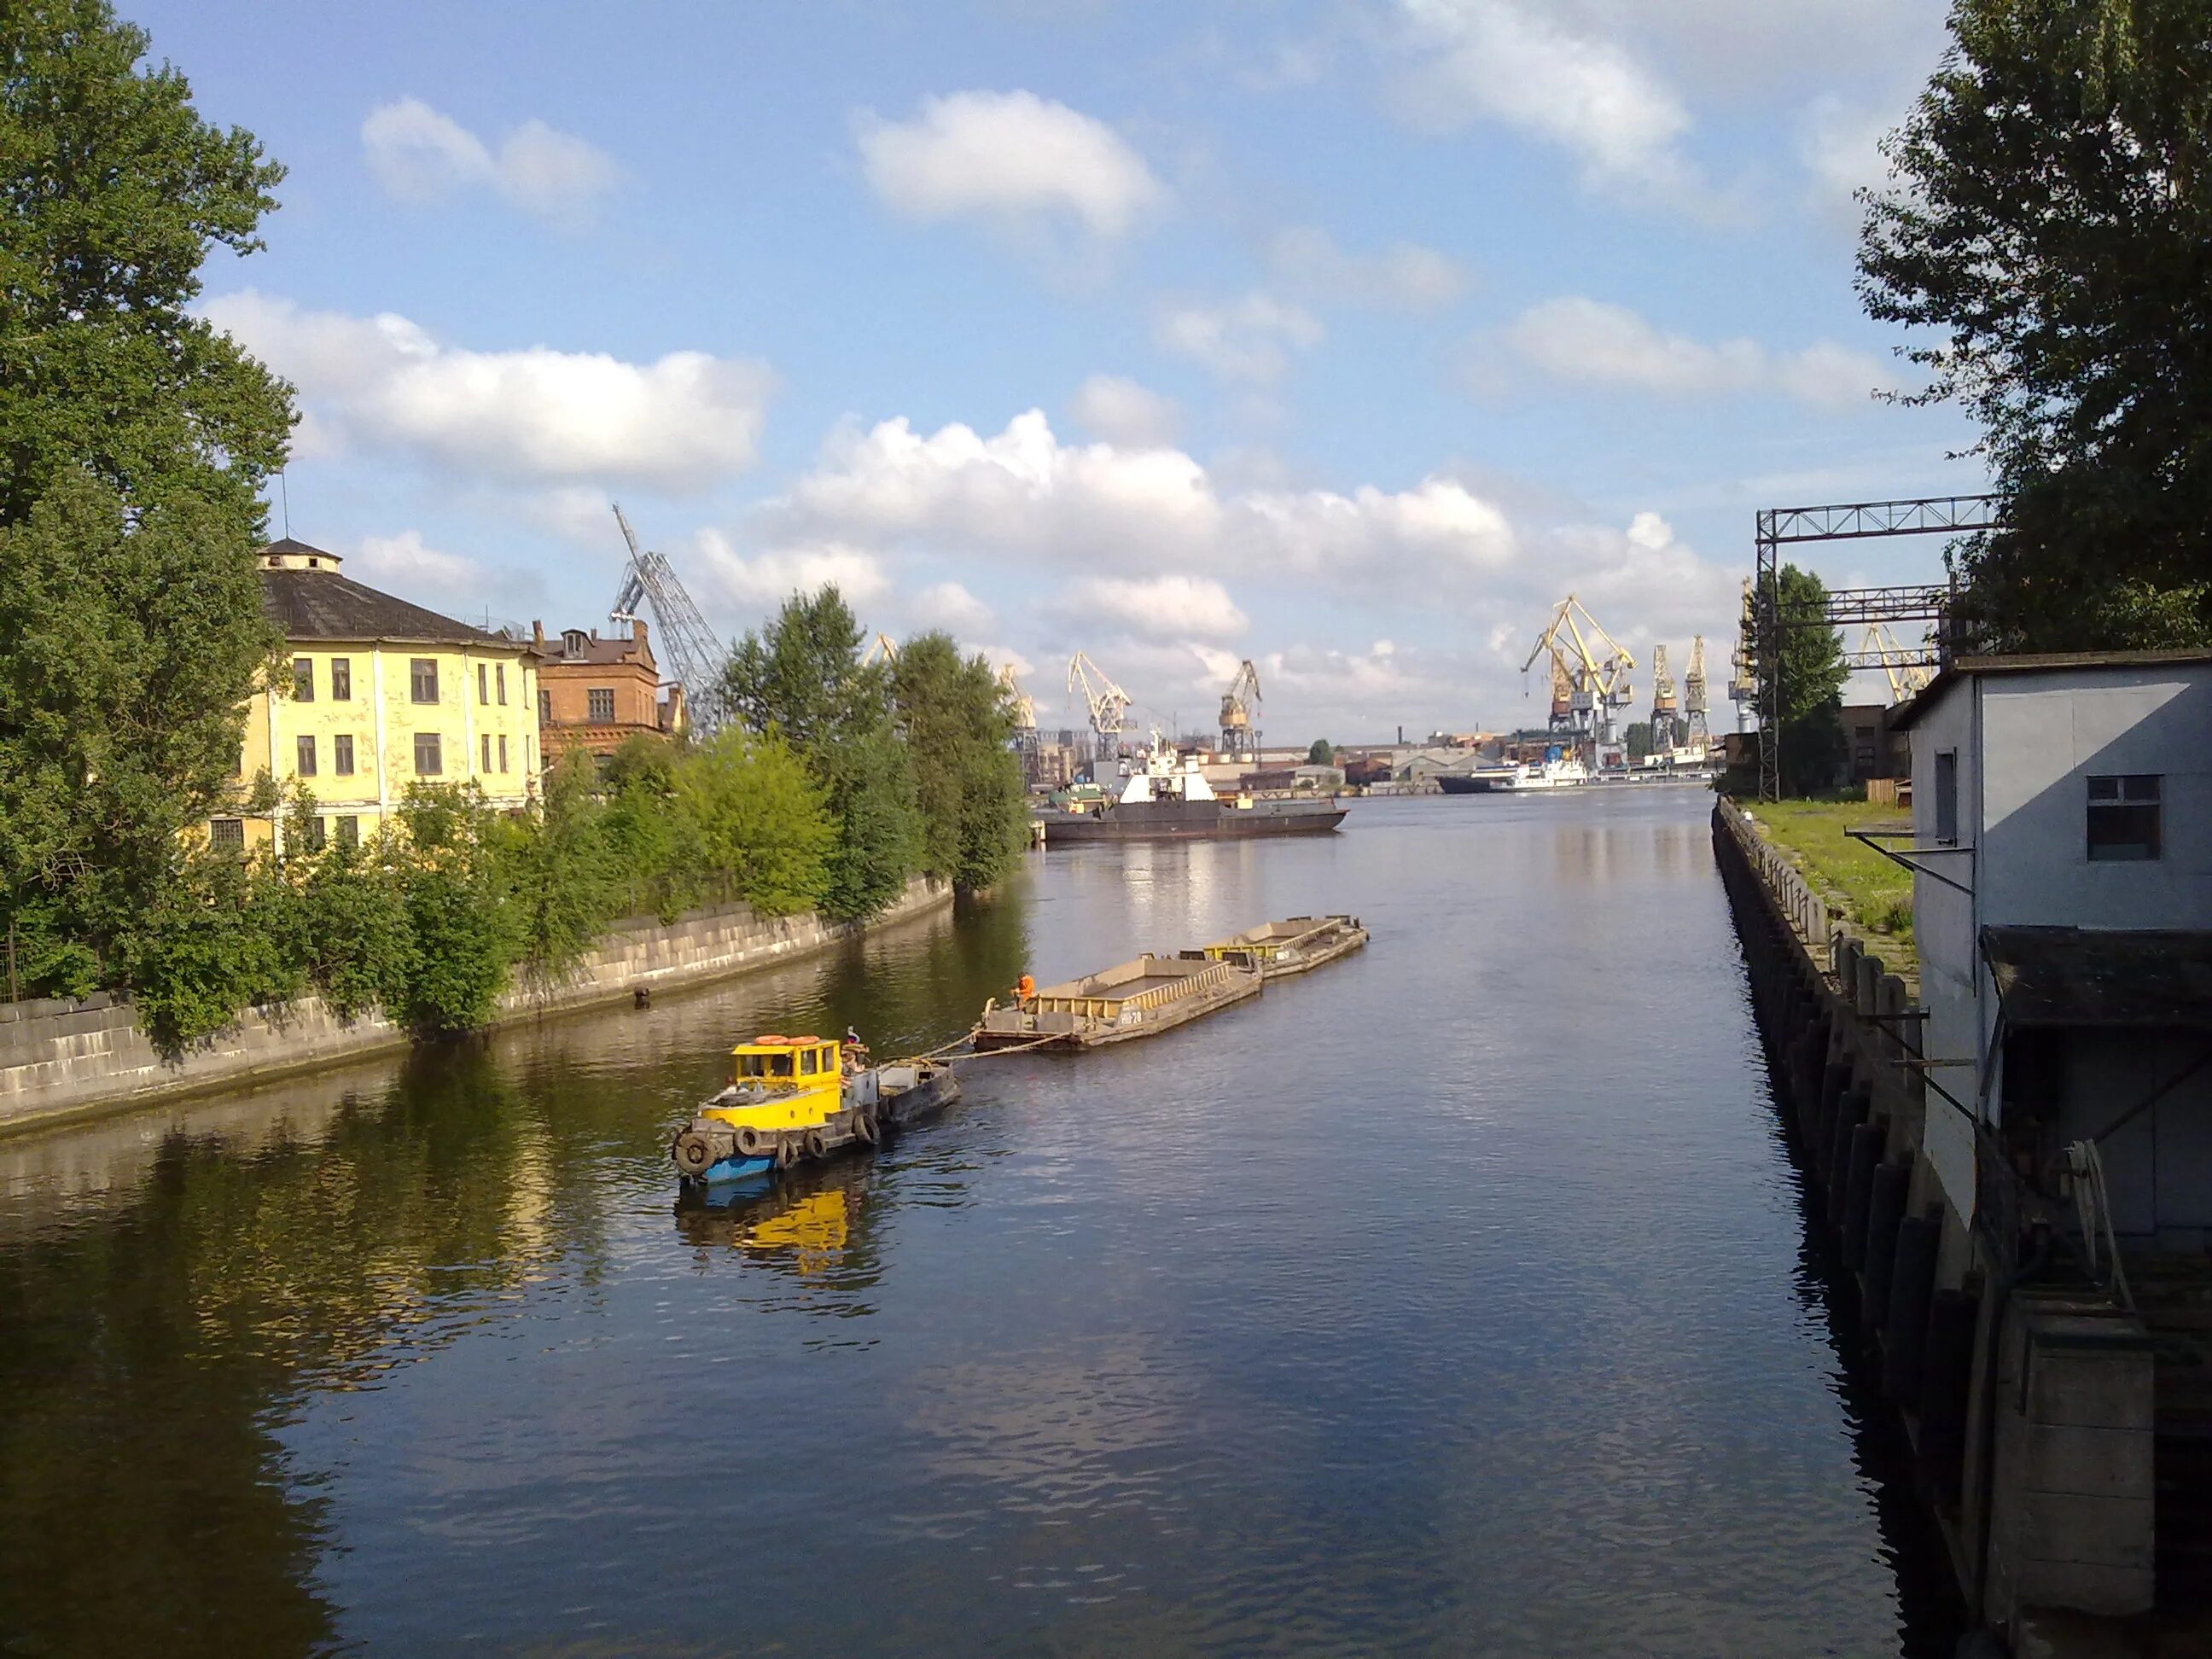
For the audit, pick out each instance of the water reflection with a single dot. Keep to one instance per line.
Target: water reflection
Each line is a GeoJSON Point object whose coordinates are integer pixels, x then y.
{"type": "Point", "coordinates": [1442, 1300]}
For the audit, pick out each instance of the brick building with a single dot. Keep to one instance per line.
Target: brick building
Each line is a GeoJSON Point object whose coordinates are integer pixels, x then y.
{"type": "Point", "coordinates": [595, 694]}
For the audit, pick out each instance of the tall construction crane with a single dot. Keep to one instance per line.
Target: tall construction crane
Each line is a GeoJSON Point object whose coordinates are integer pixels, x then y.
{"type": "Point", "coordinates": [1023, 708]}
{"type": "Point", "coordinates": [687, 649]}
{"type": "Point", "coordinates": [1108, 703]}
{"type": "Point", "coordinates": [883, 649]}
{"type": "Point", "coordinates": [1666, 712]}
{"type": "Point", "coordinates": [1908, 671]}
{"type": "Point", "coordinates": [1598, 683]}
{"type": "Point", "coordinates": [1696, 733]}
{"type": "Point", "coordinates": [1239, 714]}
{"type": "Point", "coordinates": [1743, 683]}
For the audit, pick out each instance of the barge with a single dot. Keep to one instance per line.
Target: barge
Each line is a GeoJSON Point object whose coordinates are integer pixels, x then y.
{"type": "Point", "coordinates": [794, 1098]}
{"type": "Point", "coordinates": [1132, 1000]}
{"type": "Point", "coordinates": [1296, 945]}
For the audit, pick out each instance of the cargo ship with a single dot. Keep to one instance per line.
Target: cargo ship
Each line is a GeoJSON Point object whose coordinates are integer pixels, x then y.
{"type": "Point", "coordinates": [1169, 800]}
{"type": "Point", "coordinates": [1555, 771]}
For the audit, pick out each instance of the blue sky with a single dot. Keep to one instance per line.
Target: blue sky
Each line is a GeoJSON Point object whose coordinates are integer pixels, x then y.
{"type": "Point", "coordinates": [1347, 337]}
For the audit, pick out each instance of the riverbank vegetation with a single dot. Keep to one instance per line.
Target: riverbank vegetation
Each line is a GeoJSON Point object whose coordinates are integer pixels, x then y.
{"type": "Point", "coordinates": [1874, 893]}
{"type": "Point", "coordinates": [138, 443]}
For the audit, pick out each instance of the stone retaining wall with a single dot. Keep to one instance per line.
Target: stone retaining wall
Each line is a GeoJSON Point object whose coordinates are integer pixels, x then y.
{"type": "Point", "coordinates": [61, 1058]}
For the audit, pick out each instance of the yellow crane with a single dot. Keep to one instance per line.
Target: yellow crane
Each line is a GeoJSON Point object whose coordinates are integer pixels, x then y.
{"type": "Point", "coordinates": [1595, 664]}
{"type": "Point", "coordinates": [1695, 732]}
{"type": "Point", "coordinates": [1666, 712]}
{"type": "Point", "coordinates": [1908, 677]}
{"type": "Point", "coordinates": [1240, 709]}
{"type": "Point", "coordinates": [884, 650]}
{"type": "Point", "coordinates": [1020, 704]}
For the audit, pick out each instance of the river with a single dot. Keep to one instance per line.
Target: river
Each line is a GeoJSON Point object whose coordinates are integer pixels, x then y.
{"type": "Point", "coordinates": [1454, 1298]}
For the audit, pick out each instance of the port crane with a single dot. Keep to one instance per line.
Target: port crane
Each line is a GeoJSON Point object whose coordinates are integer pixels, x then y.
{"type": "Point", "coordinates": [1666, 710]}
{"type": "Point", "coordinates": [1108, 703]}
{"type": "Point", "coordinates": [1240, 711]}
{"type": "Point", "coordinates": [1021, 708]}
{"type": "Point", "coordinates": [1908, 671]}
{"type": "Point", "coordinates": [1696, 733]}
{"type": "Point", "coordinates": [1743, 683]}
{"type": "Point", "coordinates": [690, 653]}
{"type": "Point", "coordinates": [1597, 683]}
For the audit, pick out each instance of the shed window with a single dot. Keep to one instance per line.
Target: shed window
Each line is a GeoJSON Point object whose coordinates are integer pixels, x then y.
{"type": "Point", "coordinates": [1946, 796]}
{"type": "Point", "coordinates": [422, 679]}
{"type": "Point", "coordinates": [2123, 818]}
{"type": "Point", "coordinates": [341, 679]}
{"type": "Point", "coordinates": [601, 699]}
{"type": "Point", "coordinates": [429, 755]}
{"type": "Point", "coordinates": [303, 679]}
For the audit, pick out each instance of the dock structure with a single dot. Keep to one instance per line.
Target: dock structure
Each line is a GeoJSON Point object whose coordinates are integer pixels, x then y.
{"type": "Point", "coordinates": [1134, 999]}
{"type": "Point", "coordinates": [1296, 945]}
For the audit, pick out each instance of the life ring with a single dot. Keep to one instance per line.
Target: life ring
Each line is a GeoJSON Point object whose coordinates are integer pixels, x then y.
{"type": "Point", "coordinates": [817, 1143]}
{"type": "Point", "coordinates": [763, 1042]}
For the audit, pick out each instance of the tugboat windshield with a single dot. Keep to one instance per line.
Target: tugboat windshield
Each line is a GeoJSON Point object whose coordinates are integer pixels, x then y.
{"type": "Point", "coordinates": [763, 1064]}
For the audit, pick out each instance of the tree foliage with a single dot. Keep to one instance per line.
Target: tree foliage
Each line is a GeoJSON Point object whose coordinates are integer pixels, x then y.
{"type": "Point", "coordinates": [2050, 220]}
{"type": "Point", "coordinates": [801, 679]}
{"type": "Point", "coordinates": [1323, 753]}
{"type": "Point", "coordinates": [1814, 675]}
{"type": "Point", "coordinates": [959, 728]}
{"type": "Point", "coordinates": [748, 807]}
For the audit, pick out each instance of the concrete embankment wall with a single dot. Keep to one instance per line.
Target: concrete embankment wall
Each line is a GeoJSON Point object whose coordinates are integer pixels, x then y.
{"type": "Point", "coordinates": [2028, 1413]}
{"type": "Point", "coordinates": [58, 1059]}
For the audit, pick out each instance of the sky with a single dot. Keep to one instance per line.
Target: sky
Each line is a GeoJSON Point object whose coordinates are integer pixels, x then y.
{"type": "Point", "coordinates": [1346, 335]}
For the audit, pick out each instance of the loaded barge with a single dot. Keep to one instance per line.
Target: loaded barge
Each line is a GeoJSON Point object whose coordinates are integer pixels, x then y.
{"type": "Point", "coordinates": [1132, 1000]}
{"type": "Point", "coordinates": [794, 1098]}
{"type": "Point", "coordinates": [1296, 945]}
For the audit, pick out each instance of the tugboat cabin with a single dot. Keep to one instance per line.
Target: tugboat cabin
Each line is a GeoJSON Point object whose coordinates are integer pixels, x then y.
{"type": "Point", "coordinates": [786, 1062]}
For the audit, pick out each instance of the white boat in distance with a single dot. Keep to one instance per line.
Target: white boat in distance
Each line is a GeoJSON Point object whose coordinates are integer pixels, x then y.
{"type": "Point", "coordinates": [1553, 772]}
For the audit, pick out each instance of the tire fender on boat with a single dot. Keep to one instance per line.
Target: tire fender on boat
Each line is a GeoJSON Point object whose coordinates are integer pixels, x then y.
{"type": "Point", "coordinates": [817, 1143]}
{"type": "Point", "coordinates": [748, 1141]}
{"type": "Point", "coordinates": [787, 1152]}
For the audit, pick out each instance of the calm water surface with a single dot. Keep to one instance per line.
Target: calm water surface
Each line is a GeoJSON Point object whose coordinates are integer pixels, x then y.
{"type": "Point", "coordinates": [1452, 1299]}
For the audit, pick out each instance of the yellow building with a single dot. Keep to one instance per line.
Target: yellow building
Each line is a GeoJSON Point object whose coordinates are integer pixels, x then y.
{"type": "Point", "coordinates": [383, 693]}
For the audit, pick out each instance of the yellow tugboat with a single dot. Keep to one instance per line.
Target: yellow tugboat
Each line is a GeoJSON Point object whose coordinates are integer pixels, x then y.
{"type": "Point", "coordinates": [791, 1098]}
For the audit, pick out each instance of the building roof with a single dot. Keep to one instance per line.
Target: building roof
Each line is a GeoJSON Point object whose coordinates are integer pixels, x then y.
{"type": "Point", "coordinates": [2102, 976]}
{"type": "Point", "coordinates": [1966, 668]}
{"type": "Point", "coordinates": [317, 603]}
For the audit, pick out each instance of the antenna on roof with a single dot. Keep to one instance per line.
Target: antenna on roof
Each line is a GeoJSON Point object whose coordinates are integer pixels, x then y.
{"type": "Point", "coordinates": [284, 490]}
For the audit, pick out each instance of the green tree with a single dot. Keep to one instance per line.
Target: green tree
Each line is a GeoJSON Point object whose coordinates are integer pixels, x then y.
{"type": "Point", "coordinates": [655, 852]}
{"type": "Point", "coordinates": [758, 820]}
{"type": "Point", "coordinates": [126, 652]}
{"type": "Point", "coordinates": [959, 729]}
{"type": "Point", "coordinates": [357, 945]}
{"type": "Point", "coordinates": [1637, 739]}
{"type": "Point", "coordinates": [1323, 753]}
{"type": "Point", "coordinates": [2051, 206]}
{"type": "Point", "coordinates": [214, 939]}
{"type": "Point", "coordinates": [802, 679]}
{"type": "Point", "coordinates": [463, 929]}
{"type": "Point", "coordinates": [1814, 675]}
{"type": "Point", "coordinates": [557, 871]}
{"type": "Point", "coordinates": [112, 190]}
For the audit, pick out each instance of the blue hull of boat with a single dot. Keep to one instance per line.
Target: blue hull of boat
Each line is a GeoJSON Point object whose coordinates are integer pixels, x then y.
{"type": "Point", "coordinates": [735, 1169]}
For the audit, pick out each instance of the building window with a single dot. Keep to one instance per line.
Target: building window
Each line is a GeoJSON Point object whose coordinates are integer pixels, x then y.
{"type": "Point", "coordinates": [422, 679]}
{"type": "Point", "coordinates": [429, 755]}
{"type": "Point", "coordinates": [2123, 818]}
{"type": "Point", "coordinates": [544, 707]}
{"type": "Point", "coordinates": [486, 741]}
{"type": "Point", "coordinates": [315, 832]}
{"type": "Point", "coordinates": [306, 761]}
{"type": "Point", "coordinates": [483, 683]}
{"type": "Point", "coordinates": [348, 833]}
{"type": "Point", "coordinates": [502, 751]}
{"type": "Point", "coordinates": [303, 679]}
{"type": "Point", "coordinates": [1946, 796]}
{"type": "Point", "coordinates": [341, 679]}
{"type": "Point", "coordinates": [498, 674]}
{"type": "Point", "coordinates": [342, 754]}
{"type": "Point", "coordinates": [229, 833]}
{"type": "Point", "coordinates": [602, 700]}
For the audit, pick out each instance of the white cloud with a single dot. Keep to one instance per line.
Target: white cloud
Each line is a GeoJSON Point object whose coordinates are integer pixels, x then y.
{"type": "Point", "coordinates": [404, 562]}
{"type": "Point", "coordinates": [951, 607]}
{"type": "Point", "coordinates": [1840, 146]}
{"type": "Point", "coordinates": [683, 421]}
{"type": "Point", "coordinates": [1122, 412]}
{"type": "Point", "coordinates": [1168, 607]}
{"type": "Point", "coordinates": [1405, 275]}
{"type": "Point", "coordinates": [1248, 339]}
{"type": "Point", "coordinates": [765, 580]}
{"type": "Point", "coordinates": [1594, 343]}
{"type": "Point", "coordinates": [418, 153]}
{"type": "Point", "coordinates": [1578, 90]}
{"type": "Point", "coordinates": [1009, 155]}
